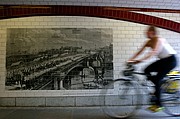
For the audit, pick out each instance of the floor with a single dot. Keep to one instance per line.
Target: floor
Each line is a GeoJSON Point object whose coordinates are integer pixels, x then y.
{"type": "Point", "coordinates": [71, 113]}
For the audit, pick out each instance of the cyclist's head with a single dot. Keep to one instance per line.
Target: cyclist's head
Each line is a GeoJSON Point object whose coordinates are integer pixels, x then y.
{"type": "Point", "coordinates": [151, 32]}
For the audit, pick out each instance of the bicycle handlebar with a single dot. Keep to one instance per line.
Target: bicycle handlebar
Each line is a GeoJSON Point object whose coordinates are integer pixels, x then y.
{"type": "Point", "coordinates": [130, 70]}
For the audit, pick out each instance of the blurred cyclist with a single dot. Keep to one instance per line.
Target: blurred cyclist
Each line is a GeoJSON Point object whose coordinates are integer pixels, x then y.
{"type": "Point", "coordinates": [165, 63]}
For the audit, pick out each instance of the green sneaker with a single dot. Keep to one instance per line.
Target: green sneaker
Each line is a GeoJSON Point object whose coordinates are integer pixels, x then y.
{"type": "Point", "coordinates": [152, 107]}
{"type": "Point", "coordinates": [159, 109]}
{"type": "Point", "coordinates": [155, 108]}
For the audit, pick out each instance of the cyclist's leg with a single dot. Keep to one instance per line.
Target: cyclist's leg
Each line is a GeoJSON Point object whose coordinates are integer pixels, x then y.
{"type": "Point", "coordinates": [161, 69]}
{"type": "Point", "coordinates": [158, 83]}
{"type": "Point", "coordinates": [159, 77]}
{"type": "Point", "coordinates": [165, 65]}
{"type": "Point", "coordinates": [154, 67]}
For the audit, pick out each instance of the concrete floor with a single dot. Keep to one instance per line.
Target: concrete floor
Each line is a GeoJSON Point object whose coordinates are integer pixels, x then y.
{"type": "Point", "coordinates": [71, 113]}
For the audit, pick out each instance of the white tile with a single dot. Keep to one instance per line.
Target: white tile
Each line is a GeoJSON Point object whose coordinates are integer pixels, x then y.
{"type": "Point", "coordinates": [127, 38]}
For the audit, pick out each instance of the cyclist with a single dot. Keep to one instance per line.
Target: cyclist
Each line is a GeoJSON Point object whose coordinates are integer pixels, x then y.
{"type": "Point", "coordinates": [166, 62]}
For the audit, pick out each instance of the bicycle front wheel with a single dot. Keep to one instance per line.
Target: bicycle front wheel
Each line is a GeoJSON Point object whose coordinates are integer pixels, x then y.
{"type": "Point", "coordinates": [170, 98]}
{"type": "Point", "coordinates": [121, 99]}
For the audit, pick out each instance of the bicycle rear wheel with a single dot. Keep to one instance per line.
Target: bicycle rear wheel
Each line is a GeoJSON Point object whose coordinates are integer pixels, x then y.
{"type": "Point", "coordinates": [120, 99]}
{"type": "Point", "coordinates": [170, 99]}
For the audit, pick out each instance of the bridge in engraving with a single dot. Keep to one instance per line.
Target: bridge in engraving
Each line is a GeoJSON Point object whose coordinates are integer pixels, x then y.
{"type": "Point", "coordinates": [82, 70]}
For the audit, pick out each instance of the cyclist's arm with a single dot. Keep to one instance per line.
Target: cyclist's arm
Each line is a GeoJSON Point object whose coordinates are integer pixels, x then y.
{"type": "Point", "coordinates": [155, 47]}
{"type": "Point", "coordinates": [140, 51]}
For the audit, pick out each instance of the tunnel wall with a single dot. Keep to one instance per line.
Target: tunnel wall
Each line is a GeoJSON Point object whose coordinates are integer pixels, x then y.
{"type": "Point", "coordinates": [127, 38]}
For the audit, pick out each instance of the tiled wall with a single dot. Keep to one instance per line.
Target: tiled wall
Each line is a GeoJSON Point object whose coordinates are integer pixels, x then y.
{"type": "Point", "coordinates": [163, 4]}
{"type": "Point", "coordinates": [127, 38]}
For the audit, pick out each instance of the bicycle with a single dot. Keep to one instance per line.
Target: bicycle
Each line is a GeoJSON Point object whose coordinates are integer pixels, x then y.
{"type": "Point", "coordinates": [127, 96]}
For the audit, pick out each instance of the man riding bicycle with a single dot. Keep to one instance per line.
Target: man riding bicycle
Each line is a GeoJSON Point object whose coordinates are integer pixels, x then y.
{"type": "Point", "coordinates": [165, 63]}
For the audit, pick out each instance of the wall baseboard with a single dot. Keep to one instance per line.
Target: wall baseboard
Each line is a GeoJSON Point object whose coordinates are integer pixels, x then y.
{"type": "Point", "coordinates": [69, 101]}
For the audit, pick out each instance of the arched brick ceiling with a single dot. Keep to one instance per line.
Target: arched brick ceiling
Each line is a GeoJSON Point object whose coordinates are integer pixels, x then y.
{"type": "Point", "coordinates": [93, 11]}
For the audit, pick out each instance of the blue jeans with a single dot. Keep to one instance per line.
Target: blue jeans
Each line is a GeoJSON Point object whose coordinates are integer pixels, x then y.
{"type": "Point", "coordinates": [162, 67]}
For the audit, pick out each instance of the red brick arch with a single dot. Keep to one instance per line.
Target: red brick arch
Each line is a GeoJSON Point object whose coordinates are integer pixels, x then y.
{"type": "Point", "coordinates": [7, 12]}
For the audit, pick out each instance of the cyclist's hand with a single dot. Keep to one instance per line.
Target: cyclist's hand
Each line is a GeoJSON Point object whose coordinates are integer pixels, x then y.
{"type": "Point", "coordinates": [133, 61]}
{"type": "Point", "coordinates": [130, 62]}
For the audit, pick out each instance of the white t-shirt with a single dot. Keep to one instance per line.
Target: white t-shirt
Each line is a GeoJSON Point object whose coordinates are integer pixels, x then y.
{"type": "Point", "coordinates": [165, 49]}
